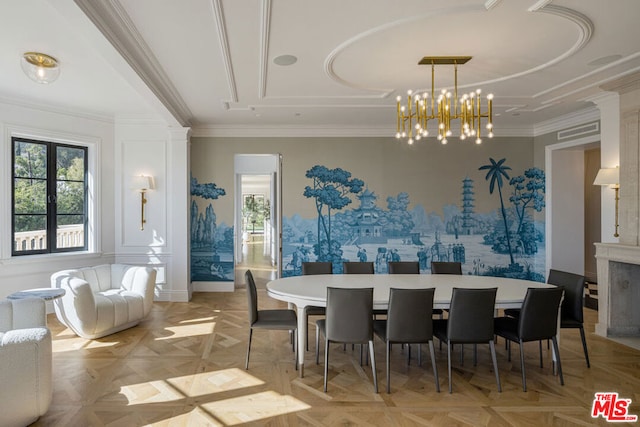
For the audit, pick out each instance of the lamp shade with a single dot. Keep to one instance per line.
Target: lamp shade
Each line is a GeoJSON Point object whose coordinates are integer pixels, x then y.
{"type": "Point", "coordinates": [607, 176]}
{"type": "Point", "coordinates": [141, 183]}
{"type": "Point", "coordinates": [40, 67]}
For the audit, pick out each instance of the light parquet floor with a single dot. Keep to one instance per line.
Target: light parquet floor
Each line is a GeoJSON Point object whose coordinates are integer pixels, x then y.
{"type": "Point", "coordinates": [184, 366]}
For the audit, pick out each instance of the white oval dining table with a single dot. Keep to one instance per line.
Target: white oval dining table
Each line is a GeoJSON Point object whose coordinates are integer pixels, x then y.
{"type": "Point", "coordinates": [304, 291]}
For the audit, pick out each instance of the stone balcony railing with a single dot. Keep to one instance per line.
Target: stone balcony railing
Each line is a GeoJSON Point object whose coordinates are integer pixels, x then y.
{"type": "Point", "coordinates": [67, 236]}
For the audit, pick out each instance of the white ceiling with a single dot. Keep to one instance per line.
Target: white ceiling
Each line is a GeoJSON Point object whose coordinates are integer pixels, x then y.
{"type": "Point", "coordinates": [209, 64]}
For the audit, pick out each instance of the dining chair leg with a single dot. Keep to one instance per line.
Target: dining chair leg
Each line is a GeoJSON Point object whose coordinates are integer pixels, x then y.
{"type": "Point", "coordinates": [540, 348]}
{"type": "Point", "coordinates": [326, 363]}
{"type": "Point", "coordinates": [584, 347]}
{"type": "Point", "coordinates": [508, 344]}
{"type": "Point", "coordinates": [557, 352]}
{"type": "Point", "coordinates": [524, 376]}
{"type": "Point", "coordinates": [408, 354]}
{"type": "Point", "coordinates": [317, 344]}
{"type": "Point", "coordinates": [449, 363]}
{"type": "Point", "coordinates": [246, 365]}
{"type": "Point", "coordinates": [373, 366]}
{"type": "Point", "coordinates": [475, 355]}
{"type": "Point", "coordinates": [461, 354]}
{"type": "Point", "coordinates": [388, 368]}
{"type": "Point", "coordinates": [419, 354]}
{"type": "Point", "coordinates": [495, 364]}
{"type": "Point", "coordinates": [433, 365]}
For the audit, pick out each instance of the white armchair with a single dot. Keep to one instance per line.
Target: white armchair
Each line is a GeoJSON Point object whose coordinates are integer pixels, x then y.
{"type": "Point", "coordinates": [25, 362]}
{"type": "Point", "coordinates": [104, 299]}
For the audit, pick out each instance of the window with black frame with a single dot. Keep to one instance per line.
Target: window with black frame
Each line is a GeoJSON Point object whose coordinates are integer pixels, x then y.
{"type": "Point", "coordinates": [49, 197]}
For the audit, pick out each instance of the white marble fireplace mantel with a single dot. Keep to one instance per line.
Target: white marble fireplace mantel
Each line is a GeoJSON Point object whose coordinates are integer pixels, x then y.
{"type": "Point", "coordinates": [618, 290]}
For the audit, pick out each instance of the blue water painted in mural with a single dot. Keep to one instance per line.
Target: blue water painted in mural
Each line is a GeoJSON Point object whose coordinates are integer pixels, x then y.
{"type": "Point", "coordinates": [499, 243]}
{"type": "Point", "coordinates": [211, 244]}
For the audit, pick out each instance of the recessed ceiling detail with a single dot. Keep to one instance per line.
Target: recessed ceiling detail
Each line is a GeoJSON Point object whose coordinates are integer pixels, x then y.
{"type": "Point", "coordinates": [285, 60]}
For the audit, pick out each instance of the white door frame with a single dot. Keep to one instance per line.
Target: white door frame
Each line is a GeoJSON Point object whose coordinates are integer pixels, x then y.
{"type": "Point", "coordinates": [549, 213]}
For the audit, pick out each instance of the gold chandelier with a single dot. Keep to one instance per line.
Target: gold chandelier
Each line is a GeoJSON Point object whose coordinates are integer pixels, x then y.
{"type": "Point", "coordinates": [414, 118]}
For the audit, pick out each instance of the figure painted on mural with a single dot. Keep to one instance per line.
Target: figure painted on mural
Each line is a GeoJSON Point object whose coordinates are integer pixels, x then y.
{"type": "Point", "coordinates": [381, 260]}
{"type": "Point", "coordinates": [458, 253]}
{"type": "Point", "coordinates": [422, 258]}
{"type": "Point", "coordinates": [362, 254]}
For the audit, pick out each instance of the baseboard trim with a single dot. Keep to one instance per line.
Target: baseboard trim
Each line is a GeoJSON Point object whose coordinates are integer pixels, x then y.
{"type": "Point", "coordinates": [212, 286]}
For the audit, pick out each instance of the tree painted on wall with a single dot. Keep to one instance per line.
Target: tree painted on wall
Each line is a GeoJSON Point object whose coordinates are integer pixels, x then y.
{"type": "Point", "coordinates": [330, 189]}
{"type": "Point", "coordinates": [203, 227]}
{"type": "Point", "coordinates": [495, 174]}
{"type": "Point", "coordinates": [399, 221]}
{"type": "Point", "coordinates": [528, 193]}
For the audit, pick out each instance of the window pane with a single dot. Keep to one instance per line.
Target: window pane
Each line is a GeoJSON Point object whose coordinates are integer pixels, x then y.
{"type": "Point", "coordinates": [70, 164]}
{"type": "Point", "coordinates": [70, 197]}
{"type": "Point", "coordinates": [70, 231]}
{"type": "Point", "coordinates": [30, 196]}
{"type": "Point", "coordinates": [31, 232]}
{"type": "Point", "coordinates": [49, 197]}
{"type": "Point", "coordinates": [30, 160]}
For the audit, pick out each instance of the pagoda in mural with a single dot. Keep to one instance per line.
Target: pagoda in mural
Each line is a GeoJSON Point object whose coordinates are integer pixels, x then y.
{"type": "Point", "coordinates": [468, 220]}
{"type": "Point", "coordinates": [367, 227]}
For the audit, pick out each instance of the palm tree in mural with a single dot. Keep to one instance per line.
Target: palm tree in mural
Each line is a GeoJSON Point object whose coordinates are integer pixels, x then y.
{"type": "Point", "coordinates": [496, 171]}
{"type": "Point", "coordinates": [330, 188]}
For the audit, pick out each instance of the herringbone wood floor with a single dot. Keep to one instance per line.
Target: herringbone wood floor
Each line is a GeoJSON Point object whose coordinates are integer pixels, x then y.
{"type": "Point", "coordinates": [184, 366]}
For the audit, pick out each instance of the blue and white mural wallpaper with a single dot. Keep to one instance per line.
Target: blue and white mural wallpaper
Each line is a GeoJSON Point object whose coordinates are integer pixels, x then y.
{"type": "Point", "coordinates": [503, 242]}
{"type": "Point", "coordinates": [211, 244]}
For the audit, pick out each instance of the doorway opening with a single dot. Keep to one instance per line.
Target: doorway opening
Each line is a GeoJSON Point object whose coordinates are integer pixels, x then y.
{"type": "Point", "coordinates": [257, 215]}
{"type": "Point", "coordinates": [257, 238]}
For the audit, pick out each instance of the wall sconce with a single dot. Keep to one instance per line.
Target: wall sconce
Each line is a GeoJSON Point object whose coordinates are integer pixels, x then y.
{"type": "Point", "coordinates": [40, 67]}
{"type": "Point", "coordinates": [610, 177]}
{"type": "Point", "coordinates": [142, 183]}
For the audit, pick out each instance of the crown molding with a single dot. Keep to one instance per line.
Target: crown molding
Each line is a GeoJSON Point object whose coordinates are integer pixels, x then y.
{"type": "Point", "coordinates": [111, 19]}
{"type": "Point", "coordinates": [568, 120]}
{"type": "Point", "coordinates": [56, 109]}
{"type": "Point", "coordinates": [285, 131]}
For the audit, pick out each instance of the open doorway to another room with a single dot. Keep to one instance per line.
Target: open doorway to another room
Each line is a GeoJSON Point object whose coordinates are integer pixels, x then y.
{"type": "Point", "coordinates": [257, 238]}
{"type": "Point", "coordinates": [257, 215]}
{"type": "Point", "coordinates": [573, 222]}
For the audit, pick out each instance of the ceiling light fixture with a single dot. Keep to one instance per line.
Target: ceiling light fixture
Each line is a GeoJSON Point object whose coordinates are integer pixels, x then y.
{"type": "Point", "coordinates": [40, 67]}
{"type": "Point", "coordinates": [414, 118]}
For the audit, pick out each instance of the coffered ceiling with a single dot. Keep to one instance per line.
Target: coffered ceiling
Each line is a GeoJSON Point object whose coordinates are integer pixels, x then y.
{"type": "Point", "coordinates": [213, 65]}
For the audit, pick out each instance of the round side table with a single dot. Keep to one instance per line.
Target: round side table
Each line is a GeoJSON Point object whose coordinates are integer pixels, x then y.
{"type": "Point", "coordinates": [47, 294]}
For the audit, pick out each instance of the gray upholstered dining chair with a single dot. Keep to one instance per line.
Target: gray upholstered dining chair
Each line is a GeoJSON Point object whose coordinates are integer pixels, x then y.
{"type": "Point", "coordinates": [275, 319]}
{"type": "Point", "coordinates": [409, 267]}
{"type": "Point", "coordinates": [317, 267]}
{"type": "Point", "coordinates": [358, 268]}
{"type": "Point", "coordinates": [311, 268]}
{"type": "Point", "coordinates": [408, 322]}
{"type": "Point", "coordinates": [538, 320]}
{"type": "Point", "coordinates": [349, 319]}
{"type": "Point", "coordinates": [442, 267]}
{"type": "Point", "coordinates": [361, 268]}
{"type": "Point", "coordinates": [404, 267]}
{"type": "Point", "coordinates": [470, 322]}
{"type": "Point", "coordinates": [571, 311]}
